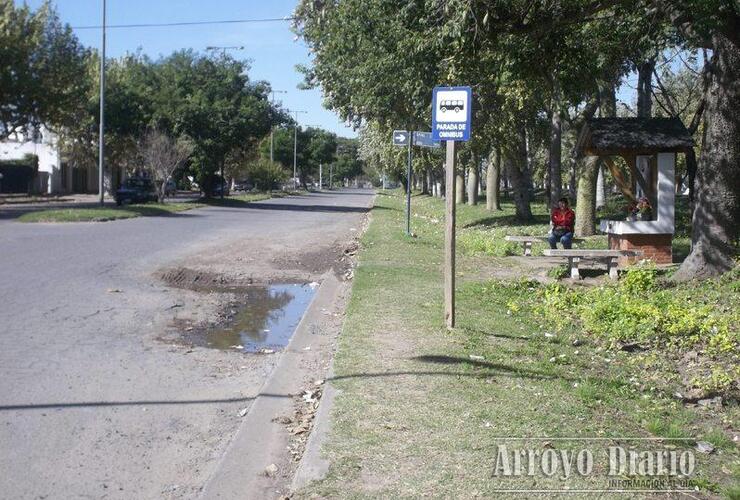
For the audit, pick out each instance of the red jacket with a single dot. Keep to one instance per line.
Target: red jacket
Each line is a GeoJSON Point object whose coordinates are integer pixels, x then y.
{"type": "Point", "coordinates": [564, 218]}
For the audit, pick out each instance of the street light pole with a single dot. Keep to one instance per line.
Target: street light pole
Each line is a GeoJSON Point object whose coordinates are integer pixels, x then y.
{"type": "Point", "coordinates": [295, 149]}
{"type": "Point", "coordinates": [101, 137]}
{"type": "Point", "coordinates": [272, 126]}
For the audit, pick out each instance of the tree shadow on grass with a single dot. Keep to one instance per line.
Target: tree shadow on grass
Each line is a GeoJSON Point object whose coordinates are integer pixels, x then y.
{"type": "Point", "coordinates": [259, 205]}
{"type": "Point", "coordinates": [146, 211]}
{"type": "Point", "coordinates": [509, 220]}
{"type": "Point", "coordinates": [492, 369]}
{"type": "Point", "coordinates": [497, 335]}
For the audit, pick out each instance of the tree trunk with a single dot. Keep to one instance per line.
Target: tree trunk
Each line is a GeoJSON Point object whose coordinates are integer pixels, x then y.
{"type": "Point", "coordinates": [459, 189]}
{"type": "Point", "coordinates": [586, 197]}
{"type": "Point", "coordinates": [572, 191]}
{"type": "Point", "coordinates": [473, 181]}
{"type": "Point", "coordinates": [645, 88]}
{"type": "Point", "coordinates": [493, 175]}
{"type": "Point", "coordinates": [520, 176]}
{"type": "Point", "coordinates": [520, 189]}
{"type": "Point", "coordinates": [555, 160]}
{"type": "Point", "coordinates": [715, 221]}
{"type": "Point", "coordinates": [600, 187]}
{"type": "Point", "coordinates": [691, 173]}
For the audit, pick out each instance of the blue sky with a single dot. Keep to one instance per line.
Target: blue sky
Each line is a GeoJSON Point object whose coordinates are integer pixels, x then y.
{"type": "Point", "coordinates": [270, 47]}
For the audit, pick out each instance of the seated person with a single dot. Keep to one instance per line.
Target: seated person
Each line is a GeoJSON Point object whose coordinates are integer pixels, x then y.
{"type": "Point", "coordinates": [563, 219]}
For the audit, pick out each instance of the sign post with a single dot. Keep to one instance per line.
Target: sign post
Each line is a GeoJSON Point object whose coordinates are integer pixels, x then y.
{"type": "Point", "coordinates": [451, 120]}
{"type": "Point", "coordinates": [409, 139]}
{"type": "Point", "coordinates": [408, 187]}
{"type": "Point", "coordinates": [404, 138]}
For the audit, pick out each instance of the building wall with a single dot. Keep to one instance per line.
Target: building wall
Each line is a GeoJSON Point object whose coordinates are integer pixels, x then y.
{"type": "Point", "coordinates": [49, 179]}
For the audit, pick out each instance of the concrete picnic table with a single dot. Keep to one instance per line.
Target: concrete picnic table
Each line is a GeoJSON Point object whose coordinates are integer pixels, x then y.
{"type": "Point", "coordinates": [528, 240]}
{"type": "Point", "coordinates": [574, 257]}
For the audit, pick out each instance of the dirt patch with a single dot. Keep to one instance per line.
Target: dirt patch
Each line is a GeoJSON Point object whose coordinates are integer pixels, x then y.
{"type": "Point", "coordinates": [198, 280]}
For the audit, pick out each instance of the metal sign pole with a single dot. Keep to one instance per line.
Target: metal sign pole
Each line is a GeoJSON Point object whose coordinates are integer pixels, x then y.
{"type": "Point", "coordinates": [450, 235]}
{"type": "Point", "coordinates": [101, 137]}
{"type": "Point", "coordinates": [408, 186]}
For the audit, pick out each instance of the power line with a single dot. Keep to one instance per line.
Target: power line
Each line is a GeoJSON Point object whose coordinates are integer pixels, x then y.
{"type": "Point", "coordinates": [188, 23]}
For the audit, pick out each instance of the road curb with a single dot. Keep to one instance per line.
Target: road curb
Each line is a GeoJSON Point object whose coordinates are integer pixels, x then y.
{"type": "Point", "coordinates": [260, 441]}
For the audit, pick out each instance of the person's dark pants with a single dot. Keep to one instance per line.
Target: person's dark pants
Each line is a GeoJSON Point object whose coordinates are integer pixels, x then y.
{"type": "Point", "coordinates": [566, 240]}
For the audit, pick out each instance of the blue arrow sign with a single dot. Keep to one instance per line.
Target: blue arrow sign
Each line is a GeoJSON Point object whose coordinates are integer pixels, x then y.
{"type": "Point", "coordinates": [451, 113]}
{"type": "Point", "coordinates": [425, 139]}
{"type": "Point", "coordinates": [400, 138]}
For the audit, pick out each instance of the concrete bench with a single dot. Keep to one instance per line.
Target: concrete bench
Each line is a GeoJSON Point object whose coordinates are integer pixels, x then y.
{"type": "Point", "coordinates": [575, 256]}
{"type": "Point", "coordinates": [528, 240]}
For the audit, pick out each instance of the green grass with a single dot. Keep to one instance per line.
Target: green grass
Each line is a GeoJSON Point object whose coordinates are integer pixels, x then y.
{"type": "Point", "coordinates": [104, 214]}
{"type": "Point", "coordinates": [417, 416]}
{"type": "Point", "coordinates": [239, 200]}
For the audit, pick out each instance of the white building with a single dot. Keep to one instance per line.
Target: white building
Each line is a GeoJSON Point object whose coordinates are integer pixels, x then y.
{"type": "Point", "coordinates": [55, 176]}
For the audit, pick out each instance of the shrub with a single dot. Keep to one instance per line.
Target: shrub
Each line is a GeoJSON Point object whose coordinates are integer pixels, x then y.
{"type": "Point", "coordinates": [267, 175]}
{"type": "Point", "coordinates": [558, 272]}
{"type": "Point", "coordinates": [637, 310]}
{"type": "Point", "coordinates": [639, 279]}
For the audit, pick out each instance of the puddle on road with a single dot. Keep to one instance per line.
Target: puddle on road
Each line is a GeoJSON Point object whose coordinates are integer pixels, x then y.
{"type": "Point", "coordinates": [267, 321]}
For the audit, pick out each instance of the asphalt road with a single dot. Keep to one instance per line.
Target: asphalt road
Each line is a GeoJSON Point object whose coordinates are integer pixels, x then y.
{"type": "Point", "coordinates": [92, 402]}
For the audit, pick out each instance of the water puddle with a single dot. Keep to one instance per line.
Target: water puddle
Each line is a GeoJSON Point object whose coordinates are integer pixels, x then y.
{"type": "Point", "coordinates": [268, 320]}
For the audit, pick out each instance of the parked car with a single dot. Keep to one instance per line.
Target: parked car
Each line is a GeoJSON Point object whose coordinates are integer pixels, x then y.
{"type": "Point", "coordinates": [243, 186]}
{"type": "Point", "coordinates": [170, 189]}
{"type": "Point", "coordinates": [221, 187]}
{"type": "Point", "coordinates": [136, 190]}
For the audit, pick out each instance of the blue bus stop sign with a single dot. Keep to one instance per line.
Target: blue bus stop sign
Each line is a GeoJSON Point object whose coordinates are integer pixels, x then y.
{"type": "Point", "coordinates": [451, 112]}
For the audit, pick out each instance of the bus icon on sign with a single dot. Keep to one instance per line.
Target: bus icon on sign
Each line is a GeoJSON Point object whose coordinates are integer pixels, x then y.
{"type": "Point", "coordinates": [452, 105]}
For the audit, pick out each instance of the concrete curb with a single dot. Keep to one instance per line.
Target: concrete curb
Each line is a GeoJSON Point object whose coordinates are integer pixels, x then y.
{"type": "Point", "coordinates": [260, 441]}
{"type": "Point", "coordinates": [313, 466]}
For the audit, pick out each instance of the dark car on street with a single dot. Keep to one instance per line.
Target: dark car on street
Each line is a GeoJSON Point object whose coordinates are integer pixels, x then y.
{"type": "Point", "coordinates": [136, 190]}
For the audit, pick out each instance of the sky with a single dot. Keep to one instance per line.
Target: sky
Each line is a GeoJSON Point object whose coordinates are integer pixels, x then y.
{"type": "Point", "coordinates": [271, 47]}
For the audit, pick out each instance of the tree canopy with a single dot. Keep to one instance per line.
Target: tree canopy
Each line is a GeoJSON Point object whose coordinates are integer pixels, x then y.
{"type": "Point", "coordinates": [538, 69]}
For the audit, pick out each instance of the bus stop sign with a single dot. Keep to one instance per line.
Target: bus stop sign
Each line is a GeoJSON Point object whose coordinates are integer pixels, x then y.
{"type": "Point", "coordinates": [451, 113]}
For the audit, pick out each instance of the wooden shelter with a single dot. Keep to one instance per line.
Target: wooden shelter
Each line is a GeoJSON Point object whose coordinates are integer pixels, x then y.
{"type": "Point", "coordinates": [648, 147]}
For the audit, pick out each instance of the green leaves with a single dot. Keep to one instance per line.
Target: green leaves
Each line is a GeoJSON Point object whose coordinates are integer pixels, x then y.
{"type": "Point", "coordinates": [42, 69]}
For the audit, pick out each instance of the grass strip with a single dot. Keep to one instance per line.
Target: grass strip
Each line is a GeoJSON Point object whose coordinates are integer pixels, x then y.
{"type": "Point", "coordinates": [422, 411]}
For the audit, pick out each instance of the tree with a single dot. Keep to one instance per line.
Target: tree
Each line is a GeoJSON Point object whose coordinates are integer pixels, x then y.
{"type": "Point", "coordinates": [347, 164]}
{"type": "Point", "coordinates": [42, 70]}
{"type": "Point", "coordinates": [128, 111]}
{"type": "Point", "coordinates": [320, 149]}
{"type": "Point", "coordinates": [162, 155]}
{"type": "Point", "coordinates": [212, 101]}
{"type": "Point", "coordinates": [266, 175]}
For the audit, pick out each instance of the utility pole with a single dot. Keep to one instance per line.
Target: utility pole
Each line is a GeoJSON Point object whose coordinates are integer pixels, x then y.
{"type": "Point", "coordinates": [321, 184]}
{"type": "Point", "coordinates": [272, 126]}
{"type": "Point", "coordinates": [331, 176]}
{"type": "Point", "coordinates": [295, 149]}
{"type": "Point", "coordinates": [101, 137]}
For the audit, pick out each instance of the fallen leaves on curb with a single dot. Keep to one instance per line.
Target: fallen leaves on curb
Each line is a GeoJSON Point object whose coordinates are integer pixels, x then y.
{"type": "Point", "coordinates": [299, 424]}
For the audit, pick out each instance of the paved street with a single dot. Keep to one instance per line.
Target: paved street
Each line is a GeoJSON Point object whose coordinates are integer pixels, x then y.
{"type": "Point", "coordinates": [92, 401]}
